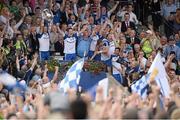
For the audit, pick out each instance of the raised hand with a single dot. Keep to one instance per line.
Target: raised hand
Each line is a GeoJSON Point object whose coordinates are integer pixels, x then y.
{"type": "Point", "coordinates": [87, 1]}
{"type": "Point", "coordinates": [56, 68]}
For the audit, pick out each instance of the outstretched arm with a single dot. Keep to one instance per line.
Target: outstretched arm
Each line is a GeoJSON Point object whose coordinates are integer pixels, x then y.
{"type": "Point", "coordinates": [113, 9]}
{"type": "Point", "coordinates": [34, 61]}
{"type": "Point", "coordinates": [20, 21]}
{"type": "Point", "coordinates": [63, 5]}
{"type": "Point", "coordinates": [55, 77]}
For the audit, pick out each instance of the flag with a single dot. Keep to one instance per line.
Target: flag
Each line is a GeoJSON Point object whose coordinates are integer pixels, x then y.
{"type": "Point", "coordinates": [72, 77]}
{"type": "Point", "coordinates": [90, 81]}
{"type": "Point", "coordinates": [141, 86]}
{"type": "Point", "coordinates": [11, 82]}
{"type": "Point", "coordinates": [158, 72]}
{"type": "Point", "coordinates": [7, 79]}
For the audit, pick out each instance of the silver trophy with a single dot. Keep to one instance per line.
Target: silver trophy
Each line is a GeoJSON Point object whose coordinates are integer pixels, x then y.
{"type": "Point", "coordinates": [47, 15]}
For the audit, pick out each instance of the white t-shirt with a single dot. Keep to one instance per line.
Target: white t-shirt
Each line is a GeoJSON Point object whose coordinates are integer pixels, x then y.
{"type": "Point", "coordinates": [94, 42]}
{"type": "Point", "coordinates": [70, 44]}
{"type": "Point", "coordinates": [116, 66]}
{"type": "Point", "coordinates": [44, 42]}
{"type": "Point", "coordinates": [111, 47]}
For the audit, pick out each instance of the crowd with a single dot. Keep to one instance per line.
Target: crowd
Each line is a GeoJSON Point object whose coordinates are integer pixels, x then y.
{"type": "Point", "coordinates": [110, 31]}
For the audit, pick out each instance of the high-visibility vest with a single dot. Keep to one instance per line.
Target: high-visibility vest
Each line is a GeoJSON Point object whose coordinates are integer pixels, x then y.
{"type": "Point", "coordinates": [146, 47]}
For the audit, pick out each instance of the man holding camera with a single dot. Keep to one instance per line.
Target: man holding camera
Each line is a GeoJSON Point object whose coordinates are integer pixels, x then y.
{"type": "Point", "coordinates": [172, 48]}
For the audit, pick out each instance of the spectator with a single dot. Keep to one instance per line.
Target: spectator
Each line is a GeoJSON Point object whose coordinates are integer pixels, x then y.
{"type": "Point", "coordinates": [163, 41]}
{"type": "Point", "coordinates": [90, 29]}
{"type": "Point", "coordinates": [58, 46]}
{"type": "Point", "coordinates": [83, 43]}
{"type": "Point", "coordinates": [171, 47]}
{"type": "Point", "coordinates": [129, 10]}
{"type": "Point", "coordinates": [168, 10]}
{"type": "Point", "coordinates": [177, 38]}
{"type": "Point", "coordinates": [146, 44]}
{"type": "Point", "coordinates": [127, 23]}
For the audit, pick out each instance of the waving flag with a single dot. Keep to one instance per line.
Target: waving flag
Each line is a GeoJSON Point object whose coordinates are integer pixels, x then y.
{"type": "Point", "coordinates": [72, 77]}
{"type": "Point", "coordinates": [11, 83]}
{"type": "Point", "coordinates": [7, 79]}
{"type": "Point", "coordinates": [157, 70]}
{"type": "Point", "coordinates": [141, 86]}
{"type": "Point", "coordinates": [90, 81]}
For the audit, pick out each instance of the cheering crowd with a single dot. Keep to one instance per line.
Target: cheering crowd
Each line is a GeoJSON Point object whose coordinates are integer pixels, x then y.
{"type": "Point", "coordinates": [109, 31]}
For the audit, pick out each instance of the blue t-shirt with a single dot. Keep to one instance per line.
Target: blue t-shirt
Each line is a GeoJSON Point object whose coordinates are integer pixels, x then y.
{"type": "Point", "coordinates": [178, 44]}
{"type": "Point", "coordinates": [83, 46]}
{"type": "Point", "coordinates": [57, 17]}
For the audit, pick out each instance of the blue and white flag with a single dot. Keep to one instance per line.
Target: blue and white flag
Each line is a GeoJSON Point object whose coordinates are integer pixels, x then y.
{"type": "Point", "coordinates": [158, 72]}
{"type": "Point", "coordinates": [72, 77]}
{"type": "Point", "coordinates": [11, 83]}
{"type": "Point", "coordinates": [90, 81]}
{"type": "Point", "coordinates": [141, 86]}
{"type": "Point", "coordinates": [7, 79]}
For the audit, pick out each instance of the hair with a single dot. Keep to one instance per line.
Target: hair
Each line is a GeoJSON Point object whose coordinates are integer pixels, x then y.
{"type": "Point", "coordinates": [131, 113]}
{"type": "Point", "coordinates": [126, 14]}
{"type": "Point", "coordinates": [79, 109]}
{"type": "Point", "coordinates": [117, 48]}
{"type": "Point", "coordinates": [161, 115]}
{"type": "Point", "coordinates": [18, 35]}
{"type": "Point", "coordinates": [176, 114]}
{"type": "Point", "coordinates": [178, 9]}
{"type": "Point", "coordinates": [12, 2]}
{"type": "Point", "coordinates": [69, 28]}
{"type": "Point", "coordinates": [171, 107]}
{"type": "Point", "coordinates": [11, 115]}
{"type": "Point", "coordinates": [37, 8]}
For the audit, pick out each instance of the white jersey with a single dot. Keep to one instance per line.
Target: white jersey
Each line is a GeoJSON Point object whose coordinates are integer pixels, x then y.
{"type": "Point", "coordinates": [111, 47]}
{"type": "Point", "coordinates": [116, 65]}
{"type": "Point", "coordinates": [44, 42]}
{"type": "Point", "coordinates": [94, 42]}
{"type": "Point", "coordinates": [70, 44]}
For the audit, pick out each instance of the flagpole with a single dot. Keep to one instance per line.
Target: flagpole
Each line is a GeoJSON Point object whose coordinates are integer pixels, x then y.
{"type": "Point", "coordinates": [79, 88]}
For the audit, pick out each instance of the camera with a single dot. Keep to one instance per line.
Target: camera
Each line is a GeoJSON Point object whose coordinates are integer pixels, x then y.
{"type": "Point", "coordinates": [122, 61]}
{"type": "Point", "coordinates": [174, 59]}
{"type": "Point", "coordinates": [172, 52]}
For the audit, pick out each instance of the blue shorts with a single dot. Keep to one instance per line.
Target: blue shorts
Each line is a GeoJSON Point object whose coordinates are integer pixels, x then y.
{"type": "Point", "coordinates": [70, 57]}
{"type": "Point", "coordinates": [108, 62]}
{"type": "Point", "coordinates": [44, 55]}
{"type": "Point", "coordinates": [118, 77]}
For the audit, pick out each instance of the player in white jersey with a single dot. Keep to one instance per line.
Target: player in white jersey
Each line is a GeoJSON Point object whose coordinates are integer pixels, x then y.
{"type": "Point", "coordinates": [44, 44]}
{"type": "Point", "coordinates": [70, 45]}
